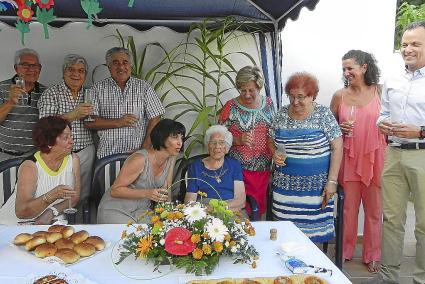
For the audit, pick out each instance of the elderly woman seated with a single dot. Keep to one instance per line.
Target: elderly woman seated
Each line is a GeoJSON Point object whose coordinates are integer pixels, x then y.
{"type": "Point", "coordinates": [45, 179]}
{"type": "Point", "coordinates": [222, 173]}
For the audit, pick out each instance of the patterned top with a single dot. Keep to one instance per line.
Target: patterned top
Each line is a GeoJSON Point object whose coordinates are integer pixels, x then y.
{"type": "Point", "coordinates": [57, 100]}
{"type": "Point", "coordinates": [239, 119]}
{"type": "Point", "coordinates": [111, 102]}
{"type": "Point", "coordinates": [47, 180]}
{"type": "Point", "coordinates": [16, 129]}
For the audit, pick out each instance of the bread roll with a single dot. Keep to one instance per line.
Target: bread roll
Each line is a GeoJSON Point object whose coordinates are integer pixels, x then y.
{"type": "Point", "coordinates": [40, 234]}
{"type": "Point", "coordinates": [55, 228]}
{"type": "Point", "coordinates": [67, 231]}
{"type": "Point", "coordinates": [79, 237]}
{"type": "Point", "coordinates": [85, 249]}
{"type": "Point", "coordinates": [45, 250]}
{"type": "Point", "coordinates": [34, 242]}
{"type": "Point", "coordinates": [45, 279]}
{"type": "Point", "coordinates": [58, 281]}
{"type": "Point", "coordinates": [67, 255]}
{"type": "Point", "coordinates": [64, 243]}
{"type": "Point", "coordinates": [98, 242]}
{"type": "Point", "coordinates": [21, 239]}
{"type": "Point", "coordinates": [283, 280]}
{"type": "Point", "coordinates": [53, 237]}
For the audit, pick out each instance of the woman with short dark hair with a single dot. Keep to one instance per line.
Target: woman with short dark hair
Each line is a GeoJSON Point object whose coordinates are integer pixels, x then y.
{"type": "Point", "coordinates": [144, 177]}
{"type": "Point", "coordinates": [42, 191]}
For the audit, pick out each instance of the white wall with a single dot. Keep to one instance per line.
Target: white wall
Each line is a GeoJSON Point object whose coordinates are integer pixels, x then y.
{"type": "Point", "coordinates": [318, 39]}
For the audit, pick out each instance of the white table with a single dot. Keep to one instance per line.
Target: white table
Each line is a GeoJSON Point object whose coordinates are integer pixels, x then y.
{"type": "Point", "coordinates": [16, 264]}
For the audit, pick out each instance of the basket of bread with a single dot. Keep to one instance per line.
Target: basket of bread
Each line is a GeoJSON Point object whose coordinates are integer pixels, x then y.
{"type": "Point", "coordinates": [60, 242]}
{"type": "Point", "coordinates": [289, 279]}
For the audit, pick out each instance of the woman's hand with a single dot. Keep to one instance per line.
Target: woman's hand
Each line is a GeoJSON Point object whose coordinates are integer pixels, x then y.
{"type": "Point", "coordinates": [279, 159]}
{"type": "Point", "coordinates": [346, 127]}
{"type": "Point", "coordinates": [328, 193]}
{"type": "Point", "coordinates": [62, 192]}
{"type": "Point", "coordinates": [46, 218]}
{"type": "Point", "coordinates": [158, 194]}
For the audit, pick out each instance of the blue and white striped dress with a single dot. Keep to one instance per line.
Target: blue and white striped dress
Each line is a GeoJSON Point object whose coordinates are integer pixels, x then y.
{"type": "Point", "coordinates": [298, 186]}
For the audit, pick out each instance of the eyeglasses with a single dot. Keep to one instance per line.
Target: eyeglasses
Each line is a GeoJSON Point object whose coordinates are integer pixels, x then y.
{"type": "Point", "coordinates": [298, 98]}
{"type": "Point", "coordinates": [81, 71]}
{"type": "Point", "coordinates": [30, 66]}
{"type": "Point", "coordinates": [220, 143]}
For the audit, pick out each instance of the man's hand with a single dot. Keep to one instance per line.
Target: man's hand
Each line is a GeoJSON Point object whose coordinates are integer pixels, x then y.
{"type": "Point", "coordinates": [82, 110]}
{"type": "Point", "coordinates": [128, 120]}
{"type": "Point", "coordinates": [406, 131]}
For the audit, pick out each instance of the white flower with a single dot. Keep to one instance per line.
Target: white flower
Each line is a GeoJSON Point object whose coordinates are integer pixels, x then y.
{"type": "Point", "coordinates": [162, 242]}
{"type": "Point", "coordinates": [194, 213]}
{"type": "Point", "coordinates": [216, 230]}
{"type": "Point", "coordinates": [242, 241]}
{"type": "Point", "coordinates": [233, 249]}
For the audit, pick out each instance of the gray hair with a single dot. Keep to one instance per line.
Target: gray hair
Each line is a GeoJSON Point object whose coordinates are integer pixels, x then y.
{"type": "Point", "coordinates": [213, 129]}
{"type": "Point", "coordinates": [112, 51]}
{"type": "Point", "coordinates": [248, 74]}
{"type": "Point", "coordinates": [72, 59]}
{"type": "Point", "coordinates": [25, 51]}
{"type": "Point", "coordinates": [414, 25]}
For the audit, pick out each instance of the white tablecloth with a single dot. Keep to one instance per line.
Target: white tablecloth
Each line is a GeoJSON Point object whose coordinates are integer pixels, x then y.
{"type": "Point", "coordinates": [16, 264]}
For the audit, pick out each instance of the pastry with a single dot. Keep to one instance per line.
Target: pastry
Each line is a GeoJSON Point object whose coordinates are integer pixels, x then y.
{"type": "Point", "coordinates": [67, 231]}
{"type": "Point", "coordinates": [53, 237]}
{"type": "Point", "coordinates": [34, 242]}
{"type": "Point", "coordinates": [67, 255]}
{"type": "Point", "coordinates": [84, 249]}
{"type": "Point", "coordinates": [313, 280]}
{"type": "Point", "coordinates": [21, 239]}
{"type": "Point", "coordinates": [45, 279]}
{"type": "Point", "coordinates": [40, 234]}
{"type": "Point", "coordinates": [64, 243]}
{"type": "Point", "coordinates": [79, 237]}
{"type": "Point", "coordinates": [98, 242]}
{"type": "Point", "coordinates": [283, 280]}
{"type": "Point", "coordinates": [45, 250]}
{"type": "Point", "coordinates": [55, 228]}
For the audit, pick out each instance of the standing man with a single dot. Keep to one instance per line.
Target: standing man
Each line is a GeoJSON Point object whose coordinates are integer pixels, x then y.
{"type": "Point", "coordinates": [125, 109]}
{"type": "Point", "coordinates": [18, 116]}
{"type": "Point", "coordinates": [67, 100]}
{"type": "Point", "coordinates": [402, 118]}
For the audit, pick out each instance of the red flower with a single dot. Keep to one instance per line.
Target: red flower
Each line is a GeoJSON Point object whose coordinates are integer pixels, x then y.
{"type": "Point", "coordinates": [45, 3]}
{"type": "Point", "coordinates": [25, 13]}
{"type": "Point", "coordinates": [177, 241]}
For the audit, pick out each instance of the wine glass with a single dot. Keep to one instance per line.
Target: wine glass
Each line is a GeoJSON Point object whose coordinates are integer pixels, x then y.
{"type": "Point", "coordinates": [351, 118]}
{"type": "Point", "coordinates": [70, 182]}
{"type": "Point", "coordinates": [280, 150]}
{"type": "Point", "coordinates": [88, 98]}
{"type": "Point", "coordinates": [20, 82]}
{"type": "Point", "coordinates": [396, 118]}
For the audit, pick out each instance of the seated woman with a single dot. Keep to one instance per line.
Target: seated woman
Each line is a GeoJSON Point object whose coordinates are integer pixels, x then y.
{"type": "Point", "coordinates": [144, 177]}
{"type": "Point", "coordinates": [221, 172]}
{"type": "Point", "coordinates": [41, 192]}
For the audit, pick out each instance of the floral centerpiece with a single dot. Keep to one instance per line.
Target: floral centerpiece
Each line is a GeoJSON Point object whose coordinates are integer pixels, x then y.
{"type": "Point", "coordinates": [192, 236]}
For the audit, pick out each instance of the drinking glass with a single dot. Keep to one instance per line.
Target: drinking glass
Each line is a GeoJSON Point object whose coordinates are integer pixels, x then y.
{"type": "Point", "coordinates": [351, 118]}
{"type": "Point", "coordinates": [70, 182]}
{"type": "Point", "coordinates": [88, 98]}
{"type": "Point", "coordinates": [395, 117]}
{"type": "Point", "coordinates": [280, 150]}
{"type": "Point", "coordinates": [23, 99]}
{"type": "Point", "coordinates": [136, 112]}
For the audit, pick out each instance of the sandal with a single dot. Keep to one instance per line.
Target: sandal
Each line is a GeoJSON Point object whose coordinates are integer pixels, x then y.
{"type": "Point", "coordinates": [373, 266]}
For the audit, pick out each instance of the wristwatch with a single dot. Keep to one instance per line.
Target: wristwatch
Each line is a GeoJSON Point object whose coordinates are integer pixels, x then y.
{"type": "Point", "coordinates": [54, 211]}
{"type": "Point", "coordinates": [422, 132]}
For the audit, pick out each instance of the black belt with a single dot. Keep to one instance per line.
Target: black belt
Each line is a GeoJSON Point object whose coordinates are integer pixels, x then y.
{"type": "Point", "coordinates": [12, 153]}
{"type": "Point", "coordinates": [410, 146]}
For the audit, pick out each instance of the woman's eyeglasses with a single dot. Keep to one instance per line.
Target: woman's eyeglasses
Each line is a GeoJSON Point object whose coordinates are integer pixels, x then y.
{"type": "Point", "coordinates": [298, 98]}
{"type": "Point", "coordinates": [220, 143]}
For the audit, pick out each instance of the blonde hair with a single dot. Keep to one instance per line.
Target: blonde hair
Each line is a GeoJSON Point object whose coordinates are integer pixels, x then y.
{"type": "Point", "coordinates": [248, 74]}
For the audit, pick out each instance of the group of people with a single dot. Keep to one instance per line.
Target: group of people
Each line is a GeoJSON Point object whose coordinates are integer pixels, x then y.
{"type": "Point", "coordinates": [304, 148]}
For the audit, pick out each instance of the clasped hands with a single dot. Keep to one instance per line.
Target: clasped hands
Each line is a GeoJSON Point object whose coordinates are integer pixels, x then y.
{"type": "Point", "coordinates": [399, 129]}
{"type": "Point", "coordinates": [346, 127]}
{"type": "Point", "coordinates": [158, 194]}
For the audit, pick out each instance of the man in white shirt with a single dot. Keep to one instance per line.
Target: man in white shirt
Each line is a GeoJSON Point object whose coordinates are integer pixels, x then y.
{"type": "Point", "coordinates": [402, 118]}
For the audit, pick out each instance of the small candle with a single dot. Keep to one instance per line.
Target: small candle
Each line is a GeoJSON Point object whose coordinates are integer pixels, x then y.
{"type": "Point", "coordinates": [273, 234]}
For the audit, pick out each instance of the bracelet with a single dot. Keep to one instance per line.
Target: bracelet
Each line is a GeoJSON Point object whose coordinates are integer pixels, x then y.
{"type": "Point", "coordinates": [333, 182]}
{"type": "Point", "coordinates": [47, 198]}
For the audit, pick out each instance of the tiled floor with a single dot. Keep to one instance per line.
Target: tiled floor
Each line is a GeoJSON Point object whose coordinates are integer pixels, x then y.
{"type": "Point", "coordinates": [356, 271]}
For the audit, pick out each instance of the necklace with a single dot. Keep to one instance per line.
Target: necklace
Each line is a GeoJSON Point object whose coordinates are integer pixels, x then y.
{"type": "Point", "coordinates": [217, 176]}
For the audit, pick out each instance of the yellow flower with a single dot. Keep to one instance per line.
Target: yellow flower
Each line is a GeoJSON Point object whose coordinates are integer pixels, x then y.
{"type": "Point", "coordinates": [196, 238]}
{"type": "Point", "coordinates": [180, 206]}
{"type": "Point", "coordinates": [130, 223]}
{"type": "Point", "coordinates": [251, 231]}
{"type": "Point", "coordinates": [144, 246]}
{"type": "Point", "coordinates": [232, 243]}
{"type": "Point", "coordinates": [206, 248]}
{"type": "Point", "coordinates": [155, 219]}
{"type": "Point", "coordinates": [159, 210]}
{"type": "Point", "coordinates": [205, 235]}
{"type": "Point", "coordinates": [171, 216]}
{"type": "Point", "coordinates": [139, 228]}
{"type": "Point", "coordinates": [197, 253]}
{"type": "Point", "coordinates": [227, 237]}
{"type": "Point", "coordinates": [123, 235]}
{"type": "Point", "coordinates": [254, 265]}
{"type": "Point", "coordinates": [179, 215]}
{"type": "Point", "coordinates": [218, 247]}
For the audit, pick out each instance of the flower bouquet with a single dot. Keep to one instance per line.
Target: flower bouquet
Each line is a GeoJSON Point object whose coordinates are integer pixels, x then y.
{"type": "Point", "coordinates": [191, 236]}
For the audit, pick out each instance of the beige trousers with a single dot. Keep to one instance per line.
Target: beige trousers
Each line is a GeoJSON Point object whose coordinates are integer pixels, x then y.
{"type": "Point", "coordinates": [403, 174]}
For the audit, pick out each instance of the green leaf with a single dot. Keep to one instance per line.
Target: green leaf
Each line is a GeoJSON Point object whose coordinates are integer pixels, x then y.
{"type": "Point", "coordinates": [23, 28]}
{"type": "Point", "coordinates": [91, 8]}
{"type": "Point", "coordinates": [44, 17]}
{"type": "Point", "coordinates": [130, 3]}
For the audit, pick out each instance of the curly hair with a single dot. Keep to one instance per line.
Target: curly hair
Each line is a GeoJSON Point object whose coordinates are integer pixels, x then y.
{"type": "Point", "coordinates": [248, 74]}
{"type": "Point", "coordinates": [372, 74]}
{"type": "Point", "coordinates": [46, 130]}
{"type": "Point", "coordinates": [305, 81]}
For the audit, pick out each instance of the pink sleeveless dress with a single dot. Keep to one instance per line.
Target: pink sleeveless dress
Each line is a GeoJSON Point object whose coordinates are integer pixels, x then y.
{"type": "Point", "coordinates": [364, 153]}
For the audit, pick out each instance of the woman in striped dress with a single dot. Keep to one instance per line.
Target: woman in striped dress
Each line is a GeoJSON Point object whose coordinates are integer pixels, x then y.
{"type": "Point", "coordinates": [305, 177]}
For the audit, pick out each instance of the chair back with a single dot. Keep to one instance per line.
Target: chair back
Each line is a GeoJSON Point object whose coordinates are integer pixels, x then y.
{"type": "Point", "coordinates": [8, 177]}
{"type": "Point", "coordinates": [105, 172]}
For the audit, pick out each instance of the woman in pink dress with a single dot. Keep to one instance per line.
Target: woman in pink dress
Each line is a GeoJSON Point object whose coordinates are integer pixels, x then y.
{"type": "Point", "coordinates": [356, 107]}
{"type": "Point", "coordinates": [248, 117]}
